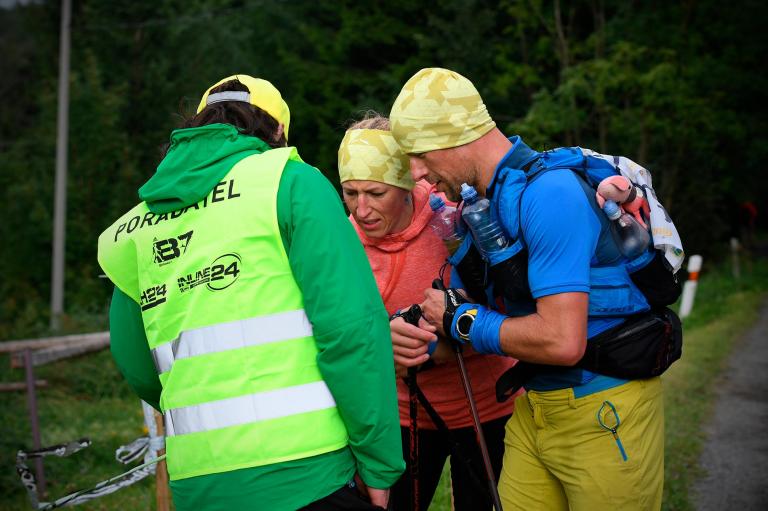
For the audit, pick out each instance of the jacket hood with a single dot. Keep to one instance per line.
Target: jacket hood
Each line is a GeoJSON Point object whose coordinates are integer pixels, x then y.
{"type": "Point", "coordinates": [397, 241]}
{"type": "Point", "coordinates": [197, 160]}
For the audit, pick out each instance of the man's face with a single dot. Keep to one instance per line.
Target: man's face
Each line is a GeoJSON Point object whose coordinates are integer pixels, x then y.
{"type": "Point", "coordinates": [445, 168]}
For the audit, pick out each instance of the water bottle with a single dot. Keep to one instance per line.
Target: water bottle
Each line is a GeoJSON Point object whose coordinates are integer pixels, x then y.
{"type": "Point", "coordinates": [631, 238]}
{"type": "Point", "coordinates": [477, 214]}
{"type": "Point", "coordinates": [443, 221]}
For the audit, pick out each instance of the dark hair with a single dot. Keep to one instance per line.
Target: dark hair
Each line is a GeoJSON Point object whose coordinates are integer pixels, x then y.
{"type": "Point", "coordinates": [248, 119]}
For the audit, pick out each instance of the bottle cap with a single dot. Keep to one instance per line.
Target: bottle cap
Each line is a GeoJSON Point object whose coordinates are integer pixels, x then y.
{"type": "Point", "coordinates": [468, 193]}
{"type": "Point", "coordinates": [435, 202]}
{"type": "Point", "coordinates": [611, 210]}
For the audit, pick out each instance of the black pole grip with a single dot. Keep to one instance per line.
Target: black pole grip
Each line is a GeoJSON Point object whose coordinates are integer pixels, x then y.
{"type": "Point", "coordinates": [412, 315]}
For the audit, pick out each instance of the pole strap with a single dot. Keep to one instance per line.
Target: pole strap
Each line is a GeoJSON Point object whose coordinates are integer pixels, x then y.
{"type": "Point", "coordinates": [102, 488]}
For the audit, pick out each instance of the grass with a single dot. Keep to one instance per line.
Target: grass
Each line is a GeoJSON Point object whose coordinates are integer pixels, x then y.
{"type": "Point", "coordinates": [724, 310]}
{"type": "Point", "coordinates": [88, 397]}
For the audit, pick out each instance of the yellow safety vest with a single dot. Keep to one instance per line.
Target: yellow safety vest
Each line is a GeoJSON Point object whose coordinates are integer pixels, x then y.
{"type": "Point", "coordinates": [225, 321]}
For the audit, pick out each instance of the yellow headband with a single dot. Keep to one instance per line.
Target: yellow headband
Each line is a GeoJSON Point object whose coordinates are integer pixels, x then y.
{"type": "Point", "coordinates": [438, 109]}
{"type": "Point", "coordinates": [373, 155]}
{"type": "Point", "coordinates": [262, 94]}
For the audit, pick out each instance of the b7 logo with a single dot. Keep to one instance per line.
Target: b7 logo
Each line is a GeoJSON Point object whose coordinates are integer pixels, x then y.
{"type": "Point", "coordinates": [166, 250]}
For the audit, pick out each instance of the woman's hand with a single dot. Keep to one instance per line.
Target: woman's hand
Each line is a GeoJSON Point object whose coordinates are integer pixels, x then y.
{"type": "Point", "coordinates": [376, 496]}
{"type": "Point", "coordinates": [410, 343]}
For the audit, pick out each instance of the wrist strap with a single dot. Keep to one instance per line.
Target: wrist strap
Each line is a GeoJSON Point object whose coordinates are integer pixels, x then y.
{"type": "Point", "coordinates": [452, 301]}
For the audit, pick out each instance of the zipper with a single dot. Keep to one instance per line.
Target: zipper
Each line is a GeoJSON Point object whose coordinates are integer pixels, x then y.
{"type": "Point", "coordinates": [637, 328]}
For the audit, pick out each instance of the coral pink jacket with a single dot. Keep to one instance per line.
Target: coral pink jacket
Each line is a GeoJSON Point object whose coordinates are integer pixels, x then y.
{"type": "Point", "coordinates": [405, 264]}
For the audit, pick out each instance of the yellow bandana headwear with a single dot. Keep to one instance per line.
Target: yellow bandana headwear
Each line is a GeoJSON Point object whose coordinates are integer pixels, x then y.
{"type": "Point", "coordinates": [373, 155]}
{"type": "Point", "coordinates": [438, 109]}
{"type": "Point", "coordinates": [261, 94]}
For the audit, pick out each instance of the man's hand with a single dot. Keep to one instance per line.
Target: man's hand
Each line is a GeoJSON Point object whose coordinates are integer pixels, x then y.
{"type": "Point", "coordinates": [410, 343]}
{"type": "Point", "coordinates": [433, 308]}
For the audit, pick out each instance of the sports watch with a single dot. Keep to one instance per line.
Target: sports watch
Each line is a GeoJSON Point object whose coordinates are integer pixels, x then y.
{"type": "Point", "coordinates": [464, 323]}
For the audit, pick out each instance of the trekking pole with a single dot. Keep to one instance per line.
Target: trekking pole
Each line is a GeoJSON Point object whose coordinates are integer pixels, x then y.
{"type": "Point", "coordinates": [457, 349]}
{"type": "Point", "coordinates": [413, 433]}
{"type": "Point", "coordinates": [476, 422]}
{"type": "Point", "coordinates": [412, 316]}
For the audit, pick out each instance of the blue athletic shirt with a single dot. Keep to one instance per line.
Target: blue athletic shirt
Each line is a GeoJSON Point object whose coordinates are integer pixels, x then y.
{"type": "Point", "coordinates": [561, 232]}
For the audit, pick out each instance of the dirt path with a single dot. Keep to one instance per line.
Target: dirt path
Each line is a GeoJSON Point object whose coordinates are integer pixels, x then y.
{"type": "Point", "coordinates": [735, 455]}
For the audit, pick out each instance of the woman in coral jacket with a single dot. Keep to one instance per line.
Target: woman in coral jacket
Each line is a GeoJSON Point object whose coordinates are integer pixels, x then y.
{"type": "Point", "coordinates": [391, 214]}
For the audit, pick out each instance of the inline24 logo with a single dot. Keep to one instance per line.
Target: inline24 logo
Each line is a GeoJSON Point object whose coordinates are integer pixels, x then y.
{"type": "Point", "coordinates": [218, 275]}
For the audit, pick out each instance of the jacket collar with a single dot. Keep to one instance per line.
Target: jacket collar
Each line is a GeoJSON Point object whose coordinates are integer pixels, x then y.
{"type": "Point", "coordinates": [518, 157]}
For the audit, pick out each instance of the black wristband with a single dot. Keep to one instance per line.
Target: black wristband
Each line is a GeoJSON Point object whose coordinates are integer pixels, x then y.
{"type": "Point", "coordinates": [452, 301]}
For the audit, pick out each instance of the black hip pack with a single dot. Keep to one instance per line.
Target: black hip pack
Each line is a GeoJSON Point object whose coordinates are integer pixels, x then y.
{"type": "Point", "coordinates": [644, 346]}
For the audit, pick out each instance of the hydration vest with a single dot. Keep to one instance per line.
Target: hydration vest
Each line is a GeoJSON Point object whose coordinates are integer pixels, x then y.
{"type": "Point", "coordinates": [618, 287]}
{"type": "Point", "coordinates": [225, 321]}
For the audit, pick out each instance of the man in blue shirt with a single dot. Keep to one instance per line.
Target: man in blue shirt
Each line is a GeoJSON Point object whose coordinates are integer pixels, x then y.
{"type": "Point", "coordinates": [578, 439]}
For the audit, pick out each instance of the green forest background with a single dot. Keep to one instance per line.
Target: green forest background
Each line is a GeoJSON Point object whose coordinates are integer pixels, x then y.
{"type": "Point", "coordinates": [677, 86]}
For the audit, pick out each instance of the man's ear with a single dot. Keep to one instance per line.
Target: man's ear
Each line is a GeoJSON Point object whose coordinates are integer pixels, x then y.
{"type": "Point", "coordinates": [279, 133]}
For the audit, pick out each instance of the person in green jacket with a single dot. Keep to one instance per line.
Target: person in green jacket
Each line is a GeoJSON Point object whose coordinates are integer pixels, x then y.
{"type": "Point", "coordinates": [245, 311]}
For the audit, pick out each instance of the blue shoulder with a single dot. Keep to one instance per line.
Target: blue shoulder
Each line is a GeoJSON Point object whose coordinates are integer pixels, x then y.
{"type": "Point", "coordinates": [561, 231]}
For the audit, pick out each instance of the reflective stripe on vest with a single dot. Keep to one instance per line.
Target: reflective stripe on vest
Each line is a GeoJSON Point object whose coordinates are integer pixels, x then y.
{"type": "Point", "coordinates": [278, 327]}
{"type": "Point", "coordinates": [251, 408]}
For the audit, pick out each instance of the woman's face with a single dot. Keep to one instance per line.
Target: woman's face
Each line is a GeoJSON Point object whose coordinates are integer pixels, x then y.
{"type": "Point", "coordinates": [379, 209]}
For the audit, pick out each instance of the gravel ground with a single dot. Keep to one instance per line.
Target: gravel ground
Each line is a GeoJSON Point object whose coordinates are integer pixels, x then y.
{"type": "Point", "coordinates": [735, 455]}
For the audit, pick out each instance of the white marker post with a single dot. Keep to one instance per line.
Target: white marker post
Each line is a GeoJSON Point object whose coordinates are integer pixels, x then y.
{"type": "Point", "coordinates": [689, 288]}
{"type": "Point", "coordinates": [735, 266]}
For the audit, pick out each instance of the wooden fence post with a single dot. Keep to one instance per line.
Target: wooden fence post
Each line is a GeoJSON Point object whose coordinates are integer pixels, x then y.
{"type": "Point", "coordinates": [161, 473]}
{"type": "Point", "coordinates": [34, 420]}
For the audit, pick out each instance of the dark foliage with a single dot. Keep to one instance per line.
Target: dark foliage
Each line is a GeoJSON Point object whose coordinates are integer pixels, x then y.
{"type": "Point", "coordinates": [676, 86]}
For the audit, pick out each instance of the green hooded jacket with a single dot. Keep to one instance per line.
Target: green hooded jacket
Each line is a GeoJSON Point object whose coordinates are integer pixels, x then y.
{"type": "Point", "coordinates": [341, 300]}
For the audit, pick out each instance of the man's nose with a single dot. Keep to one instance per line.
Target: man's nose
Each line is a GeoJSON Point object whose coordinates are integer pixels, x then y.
{"type": "Point", "coordinates": [418, 169]}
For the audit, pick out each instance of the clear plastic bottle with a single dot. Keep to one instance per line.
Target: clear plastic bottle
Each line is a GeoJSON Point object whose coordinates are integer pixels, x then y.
{"type": "Point", "coordinates": [443, 221]}
{"type": "Point", "coordinates": [631, 237]}
{"type": "Point", "coordinates": [476, 213]}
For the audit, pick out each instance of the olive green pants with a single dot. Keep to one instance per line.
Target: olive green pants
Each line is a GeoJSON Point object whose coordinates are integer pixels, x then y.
{"type": "Point", "coordinates": [558, 456]}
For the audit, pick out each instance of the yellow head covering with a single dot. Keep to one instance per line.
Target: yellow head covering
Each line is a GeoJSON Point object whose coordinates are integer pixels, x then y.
{"type": "Point", "coordinates": [262, 94]}
{"type": "Point", "coordinates": [438, 109]}
{"type": "Point", "coordinates": [373, 155]}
